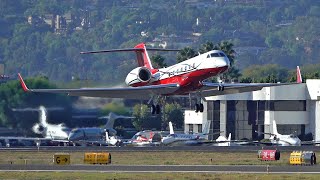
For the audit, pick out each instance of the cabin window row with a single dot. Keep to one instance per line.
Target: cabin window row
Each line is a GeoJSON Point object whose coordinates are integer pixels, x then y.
{"type": "Point", "coordinates": [189, 67]}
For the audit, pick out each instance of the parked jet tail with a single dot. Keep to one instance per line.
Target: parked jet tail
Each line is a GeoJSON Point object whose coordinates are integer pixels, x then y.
{"type": "Point", "coordinates": [110, 122]}
{"type": "Point", "coordinates": [299, 77]}
{"type": "Point", "coordinates": [206, 128]}
{"type": "Point", "coordinates": [171, 128]}
{"type": "Point", "coordinates": [274, 128]}
{"type": "Point", "coordinates": [39, 128]}
{"type": "Point", "coordinates": [229, 137]}
{"type": "Point", "coordinates": [112, 117]}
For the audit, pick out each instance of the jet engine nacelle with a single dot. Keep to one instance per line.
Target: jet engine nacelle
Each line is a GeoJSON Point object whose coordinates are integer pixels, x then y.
{"type": "Point", "coordinates": [138, 77]}
{"type": "Point", "coordinates": [38, 128]}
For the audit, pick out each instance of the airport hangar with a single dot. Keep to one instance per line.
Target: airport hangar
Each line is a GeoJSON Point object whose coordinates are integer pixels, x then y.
{"type": "Point", "coordinates": [296, 109]}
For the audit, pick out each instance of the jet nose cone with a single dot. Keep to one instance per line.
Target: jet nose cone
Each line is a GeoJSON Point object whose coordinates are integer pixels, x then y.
{"type": "Point", "coordinates": [223, 62]}
{"type": "Point", "coordinates": [227, 61]}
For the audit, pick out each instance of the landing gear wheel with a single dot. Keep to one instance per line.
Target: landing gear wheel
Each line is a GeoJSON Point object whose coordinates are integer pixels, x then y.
{"type": "Point", "coordinates": [197, 108]}
{"type": "Point", "coordinates": [220, 88]}
{"type": "Point", "coordinates": [158, 109]}
{"type": "Point", "coordinates": [201, 107]}
{"type": "Point", "coordinates": [153, 109]}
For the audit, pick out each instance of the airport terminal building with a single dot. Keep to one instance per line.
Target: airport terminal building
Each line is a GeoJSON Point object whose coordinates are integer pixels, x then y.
{"type": "Point", "coordinates": [296, 109]}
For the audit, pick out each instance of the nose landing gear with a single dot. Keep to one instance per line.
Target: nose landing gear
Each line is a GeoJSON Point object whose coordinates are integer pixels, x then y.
{"type": "Point", "coordinates": [155, 109]}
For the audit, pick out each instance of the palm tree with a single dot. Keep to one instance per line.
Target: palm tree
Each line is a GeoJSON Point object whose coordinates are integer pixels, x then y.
{"type": "Point", "coordinates": [158, 61]}
{"type": "Point", "coordinates": [227, 48]}
{"type": "Point", "coordinates": [186, 53]}
{"type": "Point", "coordinates": [208, 46]}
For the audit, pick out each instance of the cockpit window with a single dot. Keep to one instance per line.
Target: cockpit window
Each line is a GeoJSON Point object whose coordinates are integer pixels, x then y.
{"type": "Point", "coordinates": [76, 131]}
{"type": "Point", "coordinates": [217, 55]}
{"type": "Point", "coordinates": [292, 136]}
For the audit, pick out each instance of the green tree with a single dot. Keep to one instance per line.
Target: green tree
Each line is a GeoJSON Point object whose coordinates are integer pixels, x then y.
{"type": "Point", "coordinates": [144, 119]}
{"type": "Point", "coordinates": [265, 73]}
{"type": "Point", "coordinates": [173, 113]}
{"type": "Point", "coordinates": [12, 96]}
{"type": "Point", "coordinates": [158, 61]}
{"type": "Point", "coordinates": [227, 48]}
{"type": "Point", "coordinates": [186, 53]}
{"type": "Point", "coordinates": [208, 46]}
{"type": "Point", "coordinates": [142, 114]}
{"type": "Point", "coordinates": [115, 107]}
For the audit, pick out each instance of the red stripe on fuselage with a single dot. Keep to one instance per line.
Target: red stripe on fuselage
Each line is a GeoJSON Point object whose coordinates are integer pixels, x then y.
{"type": "Point", "coordinates": [189, 81]}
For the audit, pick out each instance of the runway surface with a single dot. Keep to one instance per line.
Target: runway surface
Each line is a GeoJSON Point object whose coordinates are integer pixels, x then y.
{"type": "Point", "coordinates": [163, 168]}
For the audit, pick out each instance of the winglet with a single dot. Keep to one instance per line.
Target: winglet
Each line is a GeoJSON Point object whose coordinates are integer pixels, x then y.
{"type": "Point", "coordinates": [23, 84]}
{"type": "Point", "coordinates": [299, 77]}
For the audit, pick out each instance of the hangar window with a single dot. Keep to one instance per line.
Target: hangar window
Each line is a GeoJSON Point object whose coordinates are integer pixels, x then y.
{"type": "Point", "coordinates": [190, 128]}
{"type": "Point", "coordinates": [199, 128]}
{"type": "Point", "coordinates": [285, 105]}
{"type": "Point", "coordinates": [216, 105]}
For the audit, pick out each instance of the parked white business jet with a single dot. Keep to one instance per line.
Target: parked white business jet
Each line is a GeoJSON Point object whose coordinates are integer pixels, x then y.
{"type": "Point", "coordinates": [282, 140]}
{"type": "Point", "coordinates": [50, 131]}
{"type": "Point", "coordinates": [186, 139]}
{"type": "Point", "coordinates": [223, 141]}
{"type": "Point", "coordinates": [97, 135]}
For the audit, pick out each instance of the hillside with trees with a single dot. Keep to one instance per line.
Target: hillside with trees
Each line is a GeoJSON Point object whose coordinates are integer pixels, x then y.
{"type": "Point", "coordinates": [44, 37]}
{"type": "Point", "coordinates": [264, 39]}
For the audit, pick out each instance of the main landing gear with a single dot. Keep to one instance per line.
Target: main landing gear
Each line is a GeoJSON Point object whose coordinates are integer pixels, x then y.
{"type": "Point", "coordinates": [198, 107]}
{"type": "Point", "coordinates": [220, 87]}
{"type": "Point", "coordinates": [155, 109]}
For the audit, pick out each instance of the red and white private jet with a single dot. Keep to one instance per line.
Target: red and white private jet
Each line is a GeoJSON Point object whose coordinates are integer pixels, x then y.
{"type": "Point", "coordinates": [184, 78]}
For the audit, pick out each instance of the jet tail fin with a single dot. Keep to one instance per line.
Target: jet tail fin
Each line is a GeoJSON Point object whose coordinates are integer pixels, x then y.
{"type": "Point", "coordinates": [274, 128]}
{"type": "Point", "coordinates": [206, 127]}
{"type": "Point", "coordinates": [171, 128]}
{"type": "Point", "coordinates": [229, 137]}
{"type": "Point", "coordinates": [23, 84]}
{"type": "Point", "coordinates": [299, 77]}
{"type": "Point", "coordinates": [142, 56]}
{"type": "Point", "coordinates": [111, 120]}
{"type": "Point", "coordinates": [107, 136]}
{"type": "Point", "coordinates": [43, 116]}
{"type": "Point", "coordinates": [112, 117]}
{"type": "Point", "coordinates": [40, 127]}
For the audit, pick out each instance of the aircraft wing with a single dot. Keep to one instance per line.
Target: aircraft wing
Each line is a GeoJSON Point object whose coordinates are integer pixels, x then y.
{"type": "Point", "coordinates": [32, 138]}
{"type": "Point", "coordinates": [23, 138]}
{"type": "Point", "coordinates": [310, 142]}
{"type": "Point", "coordinates": [128, 92]}
{"type": "Point", "coordinates": [211, 89]}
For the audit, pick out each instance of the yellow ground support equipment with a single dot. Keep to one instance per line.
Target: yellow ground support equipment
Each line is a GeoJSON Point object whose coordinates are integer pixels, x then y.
{"type": "Point", "coordinates": [97, 158]}
{"type": "Point", "coordinates": [303, 158]}
{"type": "Point", "coordinates": [295, 158]}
